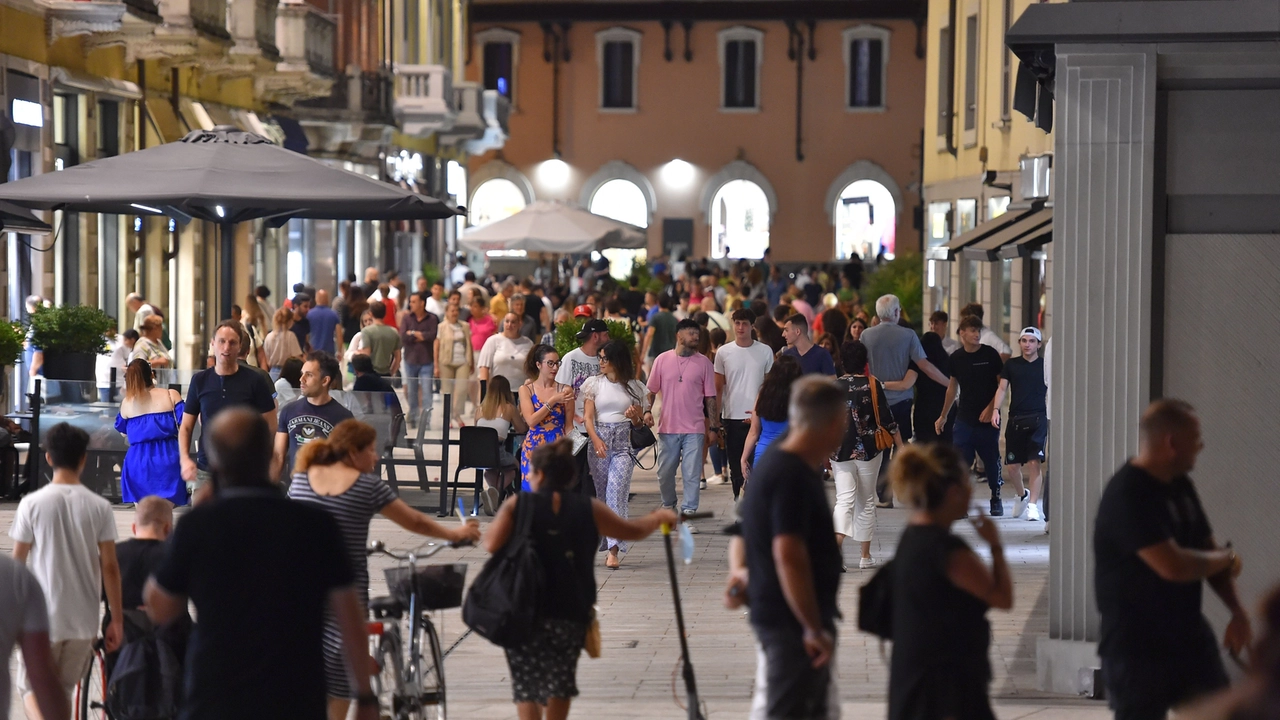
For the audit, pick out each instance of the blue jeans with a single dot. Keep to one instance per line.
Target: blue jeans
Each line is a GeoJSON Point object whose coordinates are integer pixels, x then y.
{"type": "Point", "coordinates": [415, 376]}
{"type": "Point", "coordinates": [684, 449]}
{"type": "Point", "coordinates": [984, 441]}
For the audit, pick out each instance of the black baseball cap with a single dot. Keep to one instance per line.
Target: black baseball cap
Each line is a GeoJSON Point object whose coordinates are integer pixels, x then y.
{"type": "Point", "coordinates": [590, 327]}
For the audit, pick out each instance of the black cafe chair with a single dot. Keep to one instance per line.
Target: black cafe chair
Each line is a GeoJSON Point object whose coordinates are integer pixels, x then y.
{"type": "Point", "coordinates": [479, 450]}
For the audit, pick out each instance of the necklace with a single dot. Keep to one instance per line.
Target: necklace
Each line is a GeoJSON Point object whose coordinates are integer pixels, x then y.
{"type": "Point", "coordinates": [680, 366]}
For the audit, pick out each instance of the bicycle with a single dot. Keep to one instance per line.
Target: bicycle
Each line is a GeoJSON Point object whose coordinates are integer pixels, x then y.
{"type": "Point", "coordinates": [410, 685]}
{"type": "Point", "coordinates": [91, 692]}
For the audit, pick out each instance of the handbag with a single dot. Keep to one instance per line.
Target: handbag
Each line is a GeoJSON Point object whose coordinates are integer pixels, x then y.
{"type": "Point", "coordinates": [592, 642]}
{"type": "Point", "coordinates": [502, 604]}
{"type": "Point", "coordinates": [883, 438]}
{"type": "Point", "coordinates": [875, 603]}
{"type": "Point", "coordinates": [642, 437]}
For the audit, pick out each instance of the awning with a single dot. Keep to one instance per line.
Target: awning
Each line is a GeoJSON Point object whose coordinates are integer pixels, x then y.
{"type": "Point", "coordinates": [21, 220]}
{"type": "Point", "coordinates": [952, 250]}
{"type": "Point", "coordinates": [166, 120]}
{"type": "Point", "coordinates": [1031, 225]}
{"type": "Point", "coordinates": [77, 80]}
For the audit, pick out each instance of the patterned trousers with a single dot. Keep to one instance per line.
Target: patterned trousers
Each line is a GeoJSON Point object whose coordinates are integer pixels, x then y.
{"type": "Point", "coordinates": [612, 473]}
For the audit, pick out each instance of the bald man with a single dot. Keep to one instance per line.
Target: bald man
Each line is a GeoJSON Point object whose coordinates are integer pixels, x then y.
{"type": "Point", "coordinates": [325, 325]}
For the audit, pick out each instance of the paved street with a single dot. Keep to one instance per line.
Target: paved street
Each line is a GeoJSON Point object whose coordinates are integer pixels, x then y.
{"type": "Point", "coordinates": [634, 678]}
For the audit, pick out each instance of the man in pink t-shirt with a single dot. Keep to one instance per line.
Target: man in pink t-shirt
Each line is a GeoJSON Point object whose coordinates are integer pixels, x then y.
{"type": "Point", "coordinates": [686, 380]}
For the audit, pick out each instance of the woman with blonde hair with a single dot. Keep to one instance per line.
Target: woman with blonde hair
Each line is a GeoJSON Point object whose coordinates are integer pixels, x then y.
{"type": "Point", "coordinates": [150, 345]}
{"type": "Point", "coordinates": [281, 344]}
{"type": "Point", "coordinates": [149, 417]}
{"type": "Point", "coordinates": [454, 356]}
{"type": "Point", "coordinates": [941, 590]}
{"type": "Point", "coordinates": [498, 410]}
{"type": "Point", "coordinates": [337, 475]}
{"type": "Point", "coordinates": [255, 325]}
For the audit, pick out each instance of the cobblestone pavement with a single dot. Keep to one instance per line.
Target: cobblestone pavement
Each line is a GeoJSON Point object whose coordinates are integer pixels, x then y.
{"type": "Point", "coordinates": [637, 673]}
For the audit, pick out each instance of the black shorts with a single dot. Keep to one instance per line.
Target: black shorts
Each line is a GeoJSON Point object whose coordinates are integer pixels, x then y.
{"type": "Point", "coordinates": [1024, 439]}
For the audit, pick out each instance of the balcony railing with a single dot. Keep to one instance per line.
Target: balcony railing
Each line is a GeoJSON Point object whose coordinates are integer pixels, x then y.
{"type": "Point", "coordinates": [306, 37]}
{"type": "Point", "coordinates": [366, 92]}
{"type": "Point", "coordinates": [253, 28]}
{"type": "Point", "coordinates": [424, 98]}
{"type": "Point", "coordinates": [209, 16]}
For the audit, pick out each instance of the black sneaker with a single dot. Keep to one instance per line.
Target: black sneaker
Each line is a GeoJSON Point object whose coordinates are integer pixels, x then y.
{"type": "Point", "coordinates": [997, 507]}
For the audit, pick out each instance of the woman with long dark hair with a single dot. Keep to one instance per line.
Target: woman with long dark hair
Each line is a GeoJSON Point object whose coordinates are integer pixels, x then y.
{"type": "Point", "coordinates": [566, 529]}
{"type": "Point", "coordinates": [337, 474]}
{"type": "Point", "coordinates": [769, 418]}
{"type": "Point", "coordinates": [614, 401]}
{"type": "Point", "coordinates": [544, 404]}
{"type": "Point", "coordinates": [149, 417]}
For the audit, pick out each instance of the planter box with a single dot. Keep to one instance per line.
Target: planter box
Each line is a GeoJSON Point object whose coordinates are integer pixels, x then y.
{"type": "Point", "coordinates": [70, 366]}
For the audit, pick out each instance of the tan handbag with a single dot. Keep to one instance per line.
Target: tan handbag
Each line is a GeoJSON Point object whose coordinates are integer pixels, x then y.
{"type": "Point", "coordinates": [884, 438]}
{"type": "Point", "coordinates": [592, 643]}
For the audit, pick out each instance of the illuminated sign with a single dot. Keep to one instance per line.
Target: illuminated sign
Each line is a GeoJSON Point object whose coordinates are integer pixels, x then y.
{"type": "Point", "coordinates": [28, 113]}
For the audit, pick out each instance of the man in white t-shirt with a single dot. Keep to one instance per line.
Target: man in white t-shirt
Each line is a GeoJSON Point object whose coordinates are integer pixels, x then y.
{"type": "Point", "coordinates": [66, 534]}
{"type": "Point", "coordinates": [436, 303]}
{"type": "Point", "coordinates": [575, 367]}
{"type": "Point", "coordinates": [24, 621]}
{"type": "Point", "coordinates": [740, 367]}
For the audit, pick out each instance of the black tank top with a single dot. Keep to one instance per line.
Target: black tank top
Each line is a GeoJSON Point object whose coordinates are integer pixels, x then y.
{"type": "Point", "coordinates": [566, 543]}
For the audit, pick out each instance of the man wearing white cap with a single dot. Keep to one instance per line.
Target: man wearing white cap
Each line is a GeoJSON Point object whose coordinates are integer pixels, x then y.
{"type": "Point", "coordinates": [1028, 424]}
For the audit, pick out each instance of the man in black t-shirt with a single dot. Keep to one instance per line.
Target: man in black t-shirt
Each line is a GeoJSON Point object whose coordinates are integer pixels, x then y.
{"type": "Point", "coordinates": [975, 374]}
{"type": "Point", "coordinates": [1153, 547]}
{"type": "Point", "coordinates": [1027, 426]}
{"type": "Point", "coordinates": [311, 416]}
{"type": "Point", "coordinates": [261, 570]}
{"type": "Point", "coordinates": [785, 517]}
{"type": "Point", "coordinates": [139, 557]}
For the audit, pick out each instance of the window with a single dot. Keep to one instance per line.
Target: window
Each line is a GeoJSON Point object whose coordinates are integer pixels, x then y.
{"type": "Point", "coordinates": [499, 49]}
{"type": "Point", "coordinates": [966, 215]}
{"type": "Point", "coordinates": [939, 223]}
{"type": "Point", "coordinates": [997, 206]}
{"type": "Point", "coordinates": [740, 58]}
{"type": "Point", "coordinates": [618, 56]}
{"type": "Point", "coordinates": [970, 80]}
{"type": "Point", "coordinates": [624, 201]}
{"type": "Point", "coordinates": [495, 199]}
{"type": "Point", "coordinates": [945, 54]}
{"type": "Point", "coordinates": [739, 221]}
{"type": "Point", "coordinates": [866, 60]}
{"type": "Point", "coordinates": [1006, 66]}
{"type": "Point", "coordinates": [866, 221]}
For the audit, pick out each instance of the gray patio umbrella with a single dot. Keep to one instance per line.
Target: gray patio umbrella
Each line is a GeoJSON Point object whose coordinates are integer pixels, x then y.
{"type": "Point", "coordinates": [21, 220]}
{"type": "Point", "coordinates": [223, 176]}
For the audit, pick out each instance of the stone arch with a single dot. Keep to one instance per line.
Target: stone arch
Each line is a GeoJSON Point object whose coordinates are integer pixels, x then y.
{"type": "Point", "coordinates": [861, 170]}
{"type": "Point", "coordinates": [619, 170]}
{"type": "Point", "coordinates": [737, 170]}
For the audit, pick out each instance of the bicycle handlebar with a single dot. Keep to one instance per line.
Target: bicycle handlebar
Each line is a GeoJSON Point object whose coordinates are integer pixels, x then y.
{"type": "Point", "coordinates": [377, 547]}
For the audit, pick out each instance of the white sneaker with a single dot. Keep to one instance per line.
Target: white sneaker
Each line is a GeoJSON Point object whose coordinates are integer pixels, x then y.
{"type": "Point", "coordinates": [1033, 511]}
{"type": "Point", "coordinates": [864, 563]}
{"type": "Point", "coordinates": [1020, 505]}
{"type": "Point", "coordinates": [715, 480]}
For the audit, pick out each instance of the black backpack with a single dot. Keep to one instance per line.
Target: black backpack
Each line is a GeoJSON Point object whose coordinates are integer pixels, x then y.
{"type": "Point", "coordinates": [502, 604]}
{"type": "Point", "coordinates": [146, 682]}
{"type": "Point", "coordinates": [875, 603]}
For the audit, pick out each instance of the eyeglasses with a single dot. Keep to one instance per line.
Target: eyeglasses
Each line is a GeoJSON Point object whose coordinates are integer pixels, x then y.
{"type": "Point", "coordinates": [552, 363]}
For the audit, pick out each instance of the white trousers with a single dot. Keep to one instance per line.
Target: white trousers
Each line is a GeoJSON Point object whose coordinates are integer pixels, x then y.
{"type": "Point", "coordinates": [855, 513]}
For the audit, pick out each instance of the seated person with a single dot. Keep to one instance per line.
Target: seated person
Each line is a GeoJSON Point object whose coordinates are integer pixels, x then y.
{"type": "Point", "coordinates": [369, 381]}
{"type": "Point", "coordinates": [138, 558]}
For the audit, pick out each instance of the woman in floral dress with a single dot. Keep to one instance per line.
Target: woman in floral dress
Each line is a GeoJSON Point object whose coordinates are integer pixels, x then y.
{"type": "Point", "coordinates": [543, 403]}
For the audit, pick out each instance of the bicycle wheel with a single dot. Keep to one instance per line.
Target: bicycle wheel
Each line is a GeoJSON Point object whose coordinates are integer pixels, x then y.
{"type": "Point", "coordinates": [388, 684]}
{"type": "Point", "coordinates": [91, 692]}
{"type": "Point", "coordinates": [431, 672]}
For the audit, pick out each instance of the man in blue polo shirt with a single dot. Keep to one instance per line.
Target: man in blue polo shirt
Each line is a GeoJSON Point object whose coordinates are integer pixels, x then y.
{"type": "Point", "coordinates": [222, 386]}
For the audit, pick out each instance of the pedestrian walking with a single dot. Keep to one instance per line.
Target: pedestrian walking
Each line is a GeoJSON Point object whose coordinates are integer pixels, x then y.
{"type": "Point", "coordinates": [337, 474]}
{"type": "Point", "coordinates": [685, 380]}
{"type": "Point", "coordinates": [813, 359]}
{"type": "Point", "coordinates": [382, 341]}
{"type": "Point", "coordinates": [939, 324]}
{"type": "Point", "coordinates": [149, 417]}
{"type": "Point", "coordinates": [418, 331]}
{"type": "Point", "coordinates": [261, 571]}
{"type": "Point", "coordinates": [545, 405]}
{"type": "Point", "coordinates": [769, 418]}
{"type": "Point", "coordinates": [281, 344]}
{"type": "Point", "coordinates": [24, 622]}
{"type": "Point", "coordinates": [1027, 426]}
{"type": "Point", "coordinates": [579, 364]}
{"type": "Point", "coordinates": [150, 345]}
{"type": "Point", "coordinates": [504, 354]}
{"type": "Point", "coordinates": [1153, 549]}
{"type": "Point", "coordinates": [614, 402]}
{"type": "Point", "coordinates": [65, 533]}
{"type": "Point", "coordinates": [312, 416]}
{"type": "Point", "coordinates": [500, 411]}
{"type": "Point", "coordinates": [352, 314]}
{"type": "Point", "coordinates": [975, 375]}
{"type": "Point", "coordinates": [565, 528]}
{"type": "Point", "coordinates": [740, 367]}
{"type": "Point", "coordinates": [454, 358]}
{"type": "Point", "coordinates": [940, 592]}
{"type": "Point", "coordinates": [856, 464]}
{"type": "Point", "coordinates": [792, 560]}
{"type": "Point", "coordinates": [326, 333]}
{"type": "Point", "coordinates": [212, 391]}
{"type": "Point", "coordinates": [255, 327]}
{"type": "Point", "coordinates": [930, 394]}
{"type": "Point", "coordinates": [301, 327]}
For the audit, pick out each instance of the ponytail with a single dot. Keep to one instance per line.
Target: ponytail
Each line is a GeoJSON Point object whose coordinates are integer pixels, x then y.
{"type": "Point", "coordinates": [348, 438]}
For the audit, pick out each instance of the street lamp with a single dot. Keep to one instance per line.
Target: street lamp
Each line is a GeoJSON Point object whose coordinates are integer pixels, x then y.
{"type": "Point", "coordinates": [678, 174]}
{"type": "Point", "coordinates": [554, 173]}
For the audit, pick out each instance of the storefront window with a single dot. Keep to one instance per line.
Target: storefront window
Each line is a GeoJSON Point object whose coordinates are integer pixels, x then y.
{"type": "Point", "coordinates": [966, 215]}
{"type": "Point", "coordinates": [997, 206]}
{"type": "Point", "coordinates": [939, 223]}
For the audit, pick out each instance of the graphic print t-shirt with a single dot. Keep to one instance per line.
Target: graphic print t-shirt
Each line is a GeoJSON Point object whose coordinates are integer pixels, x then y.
{"type": "Point", "coordinates": [576, 367]}
{"type": "Point", "coordinates": [304, 422]}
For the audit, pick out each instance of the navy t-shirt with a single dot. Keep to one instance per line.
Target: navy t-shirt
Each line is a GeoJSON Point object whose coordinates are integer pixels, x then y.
{"type": "Point", "coordinates": [1026, 384]}
{"type": "Point", "coordinates": [323, 322]}
{"type": "Point", "coordinates": [304, 422]}
{"type": "Point", "coordinates": [817, 360]}
{"type": "Point", "coordinates": [211, 393]}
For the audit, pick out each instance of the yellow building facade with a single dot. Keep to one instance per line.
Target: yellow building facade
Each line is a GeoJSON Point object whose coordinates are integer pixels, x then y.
{"type": "Point", "coordinates": [987, 210]}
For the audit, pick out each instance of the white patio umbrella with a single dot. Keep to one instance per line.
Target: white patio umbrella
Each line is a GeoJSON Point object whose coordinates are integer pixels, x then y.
{"type": "Point", "coordinates": [553, 227]}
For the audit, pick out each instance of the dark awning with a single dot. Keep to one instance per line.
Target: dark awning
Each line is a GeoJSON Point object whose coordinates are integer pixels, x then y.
{"type": "Point", "coordinates": [1035, 224]}
{"type": "Point", "coordinates": [21, 220]}
{"type": "Point", "coordinates": [953, 249]}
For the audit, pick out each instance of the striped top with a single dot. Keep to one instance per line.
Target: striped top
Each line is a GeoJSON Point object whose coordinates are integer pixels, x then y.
{"type": "Point", "coordinates": [353, 510]}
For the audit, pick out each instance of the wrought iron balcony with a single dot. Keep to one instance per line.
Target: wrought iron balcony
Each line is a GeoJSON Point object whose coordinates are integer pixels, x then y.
{"type": "Point", "coordinates": [425, 101]}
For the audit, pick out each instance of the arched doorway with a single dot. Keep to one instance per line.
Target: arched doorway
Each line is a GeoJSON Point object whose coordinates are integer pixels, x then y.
{"type": "Point", "coordinates": [624, 201]}
{"type": "Point", "coordinates": [866, 220]}
{"type": "Point", "coordinates": [739, 221]}
{"type": "Point", "coordinates": [497, 199]}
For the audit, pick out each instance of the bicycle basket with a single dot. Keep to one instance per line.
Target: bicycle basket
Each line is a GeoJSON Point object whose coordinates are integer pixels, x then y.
{"type": "Point", "coordinates": [438, 586]}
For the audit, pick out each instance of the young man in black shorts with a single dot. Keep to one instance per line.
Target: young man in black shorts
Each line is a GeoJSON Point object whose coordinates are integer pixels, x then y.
{"type": "Point", "coordinates": [975, 377]}
{"type": "Point", "coordinates": [1027, 426]}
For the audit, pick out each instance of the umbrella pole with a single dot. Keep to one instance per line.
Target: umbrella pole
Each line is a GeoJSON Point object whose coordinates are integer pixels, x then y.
{"type": "Point", "coordinates": [227, 283]}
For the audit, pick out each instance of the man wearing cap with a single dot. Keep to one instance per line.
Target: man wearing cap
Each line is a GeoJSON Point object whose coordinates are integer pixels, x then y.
{"type": "Point", "coordinates": [1028, 424]}
{"type": "Point", "coordinates": [584, 311]}
{"type": "Point", "coordinates": [578, 365]}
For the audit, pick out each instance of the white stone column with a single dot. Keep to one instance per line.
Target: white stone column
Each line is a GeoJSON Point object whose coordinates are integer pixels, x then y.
{"type": "Point", "coordinates": [1102, 279]}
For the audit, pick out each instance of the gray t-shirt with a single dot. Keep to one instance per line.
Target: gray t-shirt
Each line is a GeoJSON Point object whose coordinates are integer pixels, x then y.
{"type": "Point", "coordinates": [576, 367]}
{"type": "Point", "coordinates": [22, 610]}
{"type": "Point", "coordinates": [891, 348]}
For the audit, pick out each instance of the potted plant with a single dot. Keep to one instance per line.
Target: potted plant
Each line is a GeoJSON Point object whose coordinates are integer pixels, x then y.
{"type": "Point", "coordinates": [12, 335]}
{"type": "Point", "coordinates": [566, 337]}
{"type": "Point", "coordinates": [71, 337]}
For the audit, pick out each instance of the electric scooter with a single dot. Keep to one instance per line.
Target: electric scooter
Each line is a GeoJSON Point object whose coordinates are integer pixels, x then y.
{"type": "Point", "coordinates": [690, 682]}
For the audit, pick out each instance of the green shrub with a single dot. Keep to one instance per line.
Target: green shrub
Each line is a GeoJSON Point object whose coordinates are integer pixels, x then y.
{"type": "Point", "coordinates": [432, 273]}
{"type": "Point", "coordinates": [70, 329]}
{"type": "Point", "coordinates": [903, 276]}
{"type": "Point", "coordinates": [12, 334]}
{"type": "Point", "coordinates": [566, 337]}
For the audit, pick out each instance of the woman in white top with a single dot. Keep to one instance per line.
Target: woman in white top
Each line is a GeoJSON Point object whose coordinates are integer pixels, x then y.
{"type": "Point", "coordinates": [498, 411]}
{"type": "Point", "coordinates": [614, 401]}
{"type": "Point", "coordinates": [503, 355]}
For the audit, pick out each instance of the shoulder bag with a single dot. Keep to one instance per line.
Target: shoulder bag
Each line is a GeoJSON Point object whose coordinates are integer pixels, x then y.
{"type": "Point", "coordinates": [875, 603]}
{"type": "Point", "coordinates": [641, 436]}
{"type": "Point", "coordinates": [502, 604]}
{"type": "Point", "coordinates": [883, 438]}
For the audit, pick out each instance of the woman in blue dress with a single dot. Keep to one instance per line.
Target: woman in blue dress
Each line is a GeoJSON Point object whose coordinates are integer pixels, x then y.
{"type": "Point", "coordinates": [769, 418]}
{"type": "Point", "coordinates": [543, 403]}
{"type": "Point", "coordinates": [149, 416]}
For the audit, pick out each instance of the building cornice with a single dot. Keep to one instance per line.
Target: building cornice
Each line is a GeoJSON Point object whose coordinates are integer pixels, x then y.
{"type": "Point", "coordinates": [694, 10]}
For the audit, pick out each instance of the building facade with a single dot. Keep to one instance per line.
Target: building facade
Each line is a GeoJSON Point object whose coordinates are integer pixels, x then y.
{"type": "Point", "coordinates": [725, 128]}
{"type": "Point", "coordinates": [986, 200]}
